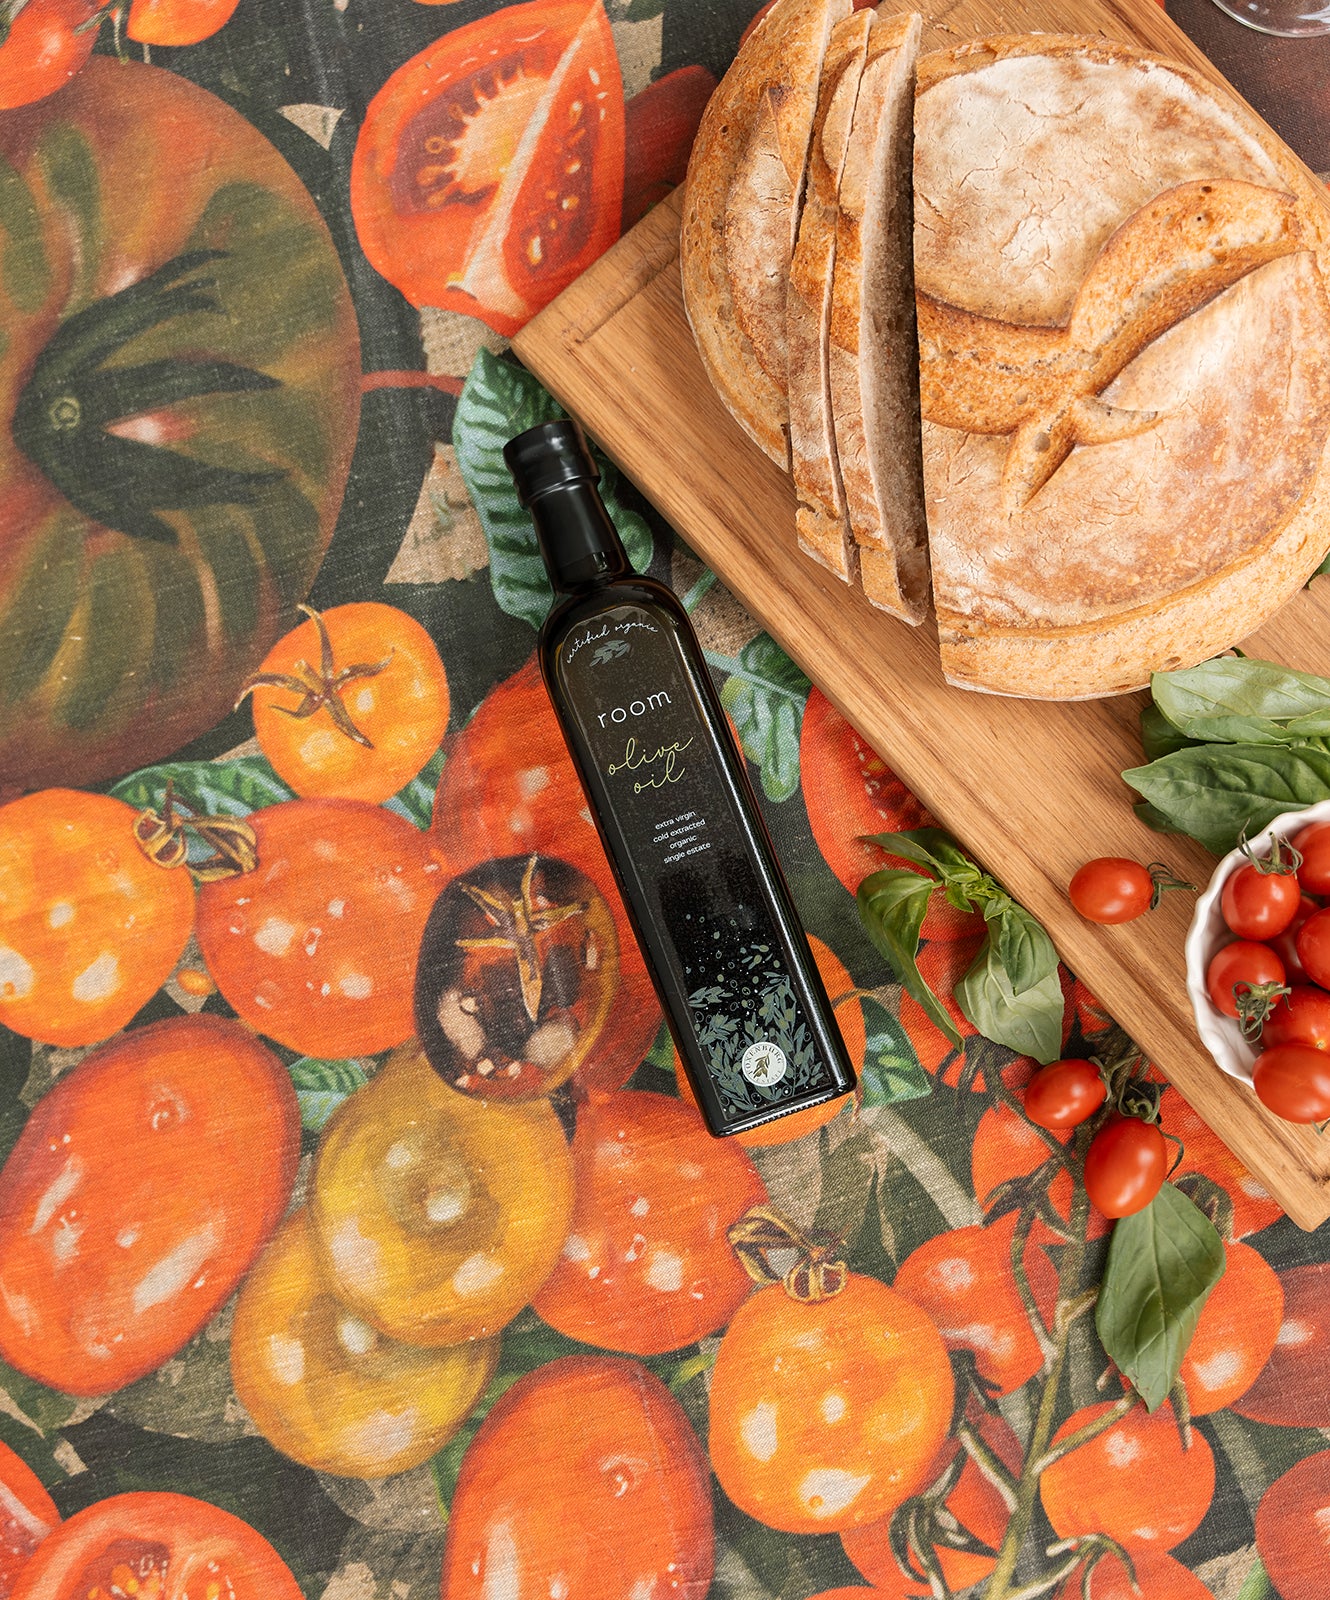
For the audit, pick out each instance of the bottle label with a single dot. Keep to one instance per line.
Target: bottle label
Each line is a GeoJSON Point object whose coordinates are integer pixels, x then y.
{"type": "Point", "coordinates": [688, 852]}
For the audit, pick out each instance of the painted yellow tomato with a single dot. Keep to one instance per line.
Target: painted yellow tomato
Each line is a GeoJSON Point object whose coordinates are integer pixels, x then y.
{"type": "Point", "coordinates": [90, 928]}
{"type": "Point", "coordinates": [438, 1215]}
{"type": "Point", "coordinates": [352, 703]}
{"type": "Point", "coordinates": [330, 1390]}
{"type": "Point", "coordinates": [826, 1415]}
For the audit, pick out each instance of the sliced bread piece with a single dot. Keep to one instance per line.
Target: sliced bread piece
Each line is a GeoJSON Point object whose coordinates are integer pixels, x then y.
{"type": "Point", "coordinates": [821, 516]}
{"type": "Point", "coordinates": [755, 401]}
{"type": "Point", "coordinates": [873, 352]}
{"type": "Point", "coordinates": [766, 193]}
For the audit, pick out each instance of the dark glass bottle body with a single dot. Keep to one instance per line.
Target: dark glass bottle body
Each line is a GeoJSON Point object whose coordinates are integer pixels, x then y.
{"type": "Point", "coordinates": [672, 802]}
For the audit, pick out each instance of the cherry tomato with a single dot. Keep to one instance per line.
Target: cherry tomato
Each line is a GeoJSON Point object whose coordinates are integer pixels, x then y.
{"type": "Point", "coordinates": [328, 1389]}
{"type": "Point", "coordinates": [1313, 844]}
{"type": "Point", "coordinates": [826, 1415]}
{"type": "Point", "coordinates": [90, 928]}
{"type": "Point", "coordinates": [1158, 1577]}
{"type": "Point", "coordinates": [1065, 1094]}
{"type": "Point", "coordinates": [1113, 1483]}
{"type": "Point", "coordinates": [158, 1543]}
{"type": "Point", "coordinates": [1302, 1016]}
{"type": "Point", "coordinates": [1293, 1529]}
{"type": "Point", "coordinates": [1285, 945]}
{"type": "Point", "coordinates": [438, 1216]}
{"type": "Point", "coordinates": [1236, 1332]}
{"type": "Point", "coordinates": [317, 946]}
{"type": "Point", "coordinates": [44, 48]}
{"type": "Point", "coordinates": [583, 1443]}
{"type": "Point", "coordinates": [1313, 943]}
{"type": "Point", "coordinates": [1242, 962]}
{"type": "Point", "coordinates": [646, 1266]}
{"type": "Point", "coordinates": [27, 1515]}
{"type": "Point", "coordinates": [1293, 1081]}
{"type": "Point", "coordinates": [177, 21]}
{"type": "Point", "coordinates": [1203, 1151]}
{"type": "Point", "coordinates": [1125, 1166]}
{"type": "Point", "coordinates": [1259, 904]}
{"type": "Point", "coordinates": [850, 1021]}
{"type": "Point", "coordinates": [1293, 1389]}
{"type": "Point", "coordinates": [125, 1222]}
{"type": "Point", "coordinates": [509, 788]}
{"type": "Point", "coordinates": [352, 703]}
{"type": "Point", "coordinates": [1111, 889]}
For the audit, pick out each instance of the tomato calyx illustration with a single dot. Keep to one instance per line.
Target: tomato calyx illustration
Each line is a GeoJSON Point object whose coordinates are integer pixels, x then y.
{"type": "Point", "coordinates": [518, 921]}
{"type": "Point", "coordinates": [761, 1238]}
{"type": "Point", "coordinates": [321, 687]}
{"type": "Point", "coordinates": [164, 837]}
{"type": "Point", "coordinates": [70, 419]}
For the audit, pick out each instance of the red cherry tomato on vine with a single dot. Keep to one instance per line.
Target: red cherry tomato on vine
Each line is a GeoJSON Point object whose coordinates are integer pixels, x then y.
{"type": "Point", "coordinates": [1285, 945]}
{"type": "Point", "coordinates": [1313, 944]}
{"type": "Point", "coordinates": [1313, 844]}
{"type": "Point", "coordinates": [177, 21]}
{"type": "Point", "coordinates": [1302, 1016]}
{"type": "Point", "coordinates": [1111, 889]}
{"type": "Point", "coordinates": [44, 49]}
{"type": "Point", "coordinates": [1257, 904]}
{"type": "Point", "coordinates": [1125, 1166]}
{"type": "Point", "coordinates": [1293, 1081]}
{"type": "Point", "coordinates": [1064, 1094]}
{"type": "Point", "coordinates": [1243, 962]}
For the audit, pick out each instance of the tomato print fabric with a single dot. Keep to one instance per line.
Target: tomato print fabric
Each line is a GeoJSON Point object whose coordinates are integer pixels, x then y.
{"type": "Point", "coordinates": [292, 1302]}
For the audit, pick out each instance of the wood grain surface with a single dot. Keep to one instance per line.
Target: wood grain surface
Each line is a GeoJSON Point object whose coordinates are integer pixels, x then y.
{"type": "Point", "coordinates": [1031, 789]}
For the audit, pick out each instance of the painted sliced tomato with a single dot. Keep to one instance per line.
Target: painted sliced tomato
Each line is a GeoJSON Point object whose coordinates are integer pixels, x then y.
{"type": "Point", "coordinates": [489, 170]}
{"type": "Point", "coordinates": [139, 1192]}
{"type": "Point", "coordinates": [27, 1515]}
{"type": "Point", "coordinates": [156, 1544]}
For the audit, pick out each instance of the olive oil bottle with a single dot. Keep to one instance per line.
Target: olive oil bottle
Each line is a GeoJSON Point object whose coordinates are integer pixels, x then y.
{"type": "Point", "coordinates": [670, 796]}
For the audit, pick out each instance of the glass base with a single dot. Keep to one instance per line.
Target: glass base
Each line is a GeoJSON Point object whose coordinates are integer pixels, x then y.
{"type": "Point", "coordinates": [1289, 20]}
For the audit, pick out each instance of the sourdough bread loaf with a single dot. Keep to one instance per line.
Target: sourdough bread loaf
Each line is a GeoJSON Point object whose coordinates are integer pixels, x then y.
{"type": "Point", "coordinates": [1124, 339]}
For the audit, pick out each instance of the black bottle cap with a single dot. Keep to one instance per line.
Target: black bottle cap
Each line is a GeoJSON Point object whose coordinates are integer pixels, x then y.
{"type": "Point", "coordinates": [549, 456]}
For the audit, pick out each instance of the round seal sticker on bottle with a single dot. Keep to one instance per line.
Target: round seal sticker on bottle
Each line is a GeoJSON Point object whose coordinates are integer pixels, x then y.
{"type": "Point", "coordinates": [763, 1064]}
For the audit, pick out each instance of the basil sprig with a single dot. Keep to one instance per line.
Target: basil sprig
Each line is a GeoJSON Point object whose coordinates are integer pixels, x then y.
{"type": "Point", "coordinates": [1232, 744]}
{"type": "Point", "coordinates": [1011, 993]}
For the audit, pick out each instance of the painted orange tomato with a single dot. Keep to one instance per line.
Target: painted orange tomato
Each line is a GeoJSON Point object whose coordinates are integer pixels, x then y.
{"type": "Point", "coordinates": [646, 1266]}
{"type": "Point", "coordinates": [509, 788]}
{"type": "Point", "coordinates": [316, 947]}
{"type": "Point", "coordinates": [489, 169]}
{"type": "Point", "coordinates": [1293, 1389]}
{"type": "Point", "coordinates": [46, 45]}
{"type": "Point", "coordinates": [177, 21]}
{"type": "Point", "coordinates": [1236, 1332]}
{"type": "Point", "coordinates": [826, 1415]}
{"type": "Point", "coordinates": [90, 927]}
{"type": "Point", "coordinates": [851, 793]}
{"type": "Point", "coordinates": [327, 1388]}
{"type": "Point", "coordinates": [849, 1019]}
{"type": "Point", "coordinates": [162, 1544]}
{"type": "Point", "coordinates": [1293, 1529]}
{"type": "Point", "coordinates": [437, 1216]}
{"type": "Point", "coordinates": [1158, 1577]}
{"type": "Point", "coordinates": [27, 1515]}
{"type": "Point", "coordinates": [352, 703]}
{"type": "Point", "coordinates": [1135, 1481]}
{"type": "Point", "coordinates": [583, 1443]}
{"type": "Point", "coordinates": [123, 1223]}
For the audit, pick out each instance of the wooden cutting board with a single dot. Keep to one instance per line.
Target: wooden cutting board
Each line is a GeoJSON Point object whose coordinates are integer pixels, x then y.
{"type": "Point", "coordinates": [1031, 789]}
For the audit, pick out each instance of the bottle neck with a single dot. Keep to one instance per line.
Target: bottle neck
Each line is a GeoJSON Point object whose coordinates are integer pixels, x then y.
{"type": "Point", "coordinates": [580, 545]}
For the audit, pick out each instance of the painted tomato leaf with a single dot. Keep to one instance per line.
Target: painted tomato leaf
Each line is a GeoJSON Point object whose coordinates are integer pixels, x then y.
{"type": "Point", "coordinates": [231, 788]}
{"type": "Point", "coordinates": [1162, 1264]}
{"type": "Point", "coordinates": [321, 1086]}
{"type": "Point", "coordinates": [891, 1070]}
{"type": "Point", "coordinates": [498, 401]}
{"type": "Point", "coordinates": [765, 695]}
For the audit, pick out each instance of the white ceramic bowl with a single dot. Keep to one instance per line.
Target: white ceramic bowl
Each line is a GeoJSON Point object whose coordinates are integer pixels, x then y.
{"type": "Point", "coordinates": [1221, 1035]}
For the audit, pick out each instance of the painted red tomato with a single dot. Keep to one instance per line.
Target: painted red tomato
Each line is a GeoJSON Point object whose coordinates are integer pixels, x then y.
{"type": "Point", "coordinates": [509, 788]}
{"type": "Point", "coordinates": [27, 1515]}
{"type": "Point", "coordinates": [851, 792]}
{"type": "Point", "coordinates": [660, 123]}
{"type": "Point", "coordinates": [124, 1223]}
{"type": "Point", "coordinates": [175, 22]}
{"type": "Point", "coordinates": [1293, 1529]}
{"type": "Point", "coordinates": [158, 528]}
{"type": "Point", "coordinates": [582, 1444]}
{"type": "Point", "coordinates": [1158, 1577]}
{"type": "Point", "coordinates": [489, 169]}
{"type": "Point", "coordinates": [156, 1544]}
{"type": "Point", "coordinates": [646, 1266]}
{"type": "Point", "coordinates": [1293, 1389]}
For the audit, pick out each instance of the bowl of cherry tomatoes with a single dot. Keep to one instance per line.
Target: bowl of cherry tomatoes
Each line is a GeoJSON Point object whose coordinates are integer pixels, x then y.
{"type": "Point", "coordinates": [1258, 965]}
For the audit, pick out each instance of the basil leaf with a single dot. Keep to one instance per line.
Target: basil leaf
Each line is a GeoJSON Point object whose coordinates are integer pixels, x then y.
{"type": "Point", "coordinates": [1155, 819]}
{"type": "Point", "coordinates": [1242, 701]}
{"type": "Point", "coordinates": [765, 696]}
{"type": "Point", "coordinates": [891, 907]}
{"type": "Point", "coordinates": [1162, 1264]}
{"type": "Point", "coordinates": [1158, 735]}
{"type": "Point", "coordinates": [1027, 1020]}
{"type": "Point", "coordinates": [1024, 949]}
{"type": "Point", "coordinates": [929, 847]}
{"type": "Point", "coordinates": [1215, 792]}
